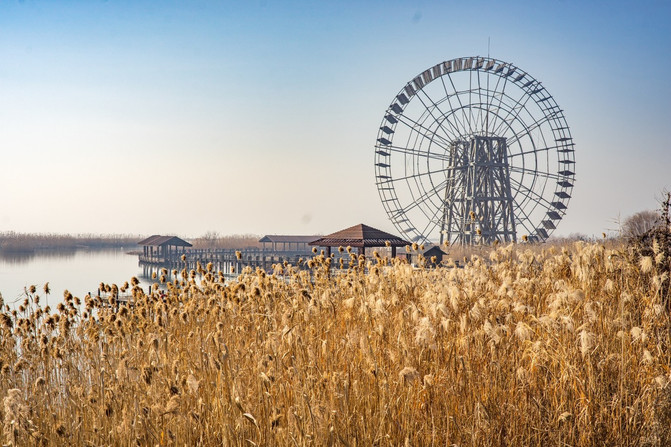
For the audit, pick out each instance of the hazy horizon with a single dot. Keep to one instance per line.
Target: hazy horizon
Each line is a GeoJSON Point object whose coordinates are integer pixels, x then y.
{"type": "Point", "coordinates": [139, 117]}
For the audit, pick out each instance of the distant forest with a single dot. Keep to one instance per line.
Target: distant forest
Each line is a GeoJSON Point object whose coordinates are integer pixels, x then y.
{"type": "Point", "coordinates": [27, 242]}
{"type": "Point", "coordinates": [12, 242]}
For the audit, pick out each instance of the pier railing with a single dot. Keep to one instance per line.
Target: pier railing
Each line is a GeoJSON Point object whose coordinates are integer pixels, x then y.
{"type": "Point", "coordinates": [225, 260]}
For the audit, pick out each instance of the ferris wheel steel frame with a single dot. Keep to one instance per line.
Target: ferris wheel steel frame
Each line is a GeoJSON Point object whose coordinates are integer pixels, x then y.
{"type": "Point", "coordinates": [474, 150]}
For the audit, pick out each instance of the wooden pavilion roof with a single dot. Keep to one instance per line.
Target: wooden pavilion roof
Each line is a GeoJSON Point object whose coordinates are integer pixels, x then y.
{"type": "Point", "coordinates": [158, 240]}
{"type": "Point", "coordinates": [360, 236]}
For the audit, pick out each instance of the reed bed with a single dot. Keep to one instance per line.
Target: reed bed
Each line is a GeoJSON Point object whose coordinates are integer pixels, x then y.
{"type": "Point", "coordinates": [560, 346]}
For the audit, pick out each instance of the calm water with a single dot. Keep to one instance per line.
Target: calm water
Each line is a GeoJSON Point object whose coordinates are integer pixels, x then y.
{"type": "Point", "coordinates": [79, 272]}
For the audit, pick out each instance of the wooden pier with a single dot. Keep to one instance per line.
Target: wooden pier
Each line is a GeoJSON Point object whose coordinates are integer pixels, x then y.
{"type": "Point", "coordinates": [173, 253]}
{"type": "Point", "coordinates": [228, 261]}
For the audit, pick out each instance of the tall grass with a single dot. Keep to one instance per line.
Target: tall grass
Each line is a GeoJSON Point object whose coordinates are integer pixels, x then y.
{"type": "Point", "coordinates": [561, 346]}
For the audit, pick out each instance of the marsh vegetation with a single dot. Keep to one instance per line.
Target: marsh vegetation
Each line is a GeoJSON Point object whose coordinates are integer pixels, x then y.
{"type": "Point", "coordinates": [560, 345]}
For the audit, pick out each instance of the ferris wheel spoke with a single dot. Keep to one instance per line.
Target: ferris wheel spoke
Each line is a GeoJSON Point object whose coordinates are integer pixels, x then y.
{"type": "Point", "coordinates": [534, 172]}
{"type": "Point", "coordinates": [414, 125]}
{"type": "Point", "coordinates": [479, 119]}
{"type": "Point", "coordinates": [470, 98]}
{"type": "Point", "coordinates": [447, 132]}
{"type": "Point", "coordinates": [488, 77]}
{"type": "Point", "coordinates": [519, 105]}
{"type": "Point", "coordinates": [421, 199]}
{"type": "Point", "coordinates": [432, 220]}
{"type": "Point", "coordinates": [513, 112]}
{"type": "Point", "coordinates": [449, 102]}
{"type": "Point", "coordinates": [527, 130]}
{"type": "Point", "coordinates": [508, 109]}
{"type": "Point", "coordinates": [461, 106]}
{"type": "Point", "coordinates": [531, 151]}
{"type": "Point", "coordinates": [416, 153]}
{"type": "Point", "coordinates": [412, 176]}
{"type": "Point", "coordinates": [523, 221]}
{"type": "Point", "coordinates": [483, 121]}
{"type": "Point", "coordinates": [528, 191]}
{"type": "Point", "coordinates": [471, 120]}
{"type": "Point", "coordinates": [501, 96]}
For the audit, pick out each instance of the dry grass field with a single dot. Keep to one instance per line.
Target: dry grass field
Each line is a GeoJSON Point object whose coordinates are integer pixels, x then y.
{"type": "Point", "coordinates": [555, 346]}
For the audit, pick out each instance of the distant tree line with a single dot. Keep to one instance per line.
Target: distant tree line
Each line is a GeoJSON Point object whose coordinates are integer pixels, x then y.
{"type": "Point", "coordinates": [28, 242]}
{"type": "Point", "coordinates": [212, 239]}
{"type": "Point", "coordinates": [13, 242]}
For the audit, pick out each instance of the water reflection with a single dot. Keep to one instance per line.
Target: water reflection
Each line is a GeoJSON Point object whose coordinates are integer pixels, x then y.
{"type": "Point", "coordinates": [24, 257]}
{"type": "Point", "coordinates": [78, 271]}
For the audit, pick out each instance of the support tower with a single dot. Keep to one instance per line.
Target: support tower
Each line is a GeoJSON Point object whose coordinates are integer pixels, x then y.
{"type": "Point", "coordinates": [478, 199]}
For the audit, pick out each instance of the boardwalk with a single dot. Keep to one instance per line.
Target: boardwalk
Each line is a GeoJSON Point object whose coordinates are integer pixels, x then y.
{"type": "Point", "coordinates": [173, 253]}
{"type": "Point", "coordinates": [223, 260]}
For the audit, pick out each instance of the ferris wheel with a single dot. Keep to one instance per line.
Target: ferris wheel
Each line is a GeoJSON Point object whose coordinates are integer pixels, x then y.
{"type": "Point", "coordinates": [474, 150]}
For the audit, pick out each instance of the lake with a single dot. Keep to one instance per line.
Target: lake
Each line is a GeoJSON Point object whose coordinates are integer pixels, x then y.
{"type": "Point", "coordinates": [79, 272]}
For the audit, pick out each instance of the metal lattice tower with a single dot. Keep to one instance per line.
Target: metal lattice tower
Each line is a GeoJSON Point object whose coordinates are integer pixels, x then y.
{"type": "Point", "coordinates": [478, 199]}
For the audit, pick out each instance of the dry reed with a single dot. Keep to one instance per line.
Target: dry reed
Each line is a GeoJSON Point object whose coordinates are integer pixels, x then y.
{"type": "Point", "coordinates": [555, 346]}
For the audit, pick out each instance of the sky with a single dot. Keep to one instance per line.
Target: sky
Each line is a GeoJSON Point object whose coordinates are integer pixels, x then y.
{"type": "Point", "coordinates": [260, 117]}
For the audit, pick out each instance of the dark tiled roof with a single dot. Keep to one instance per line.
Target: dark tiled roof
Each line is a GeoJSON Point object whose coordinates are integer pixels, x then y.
{"type": "Point", "coordinates": [292, 239]}
{"type": "Point", "coordinates": [157, 240]}
{"type": "Point", "coordinates": [360, 236]}
{"type": "Point", "coordinates": [434, 251]}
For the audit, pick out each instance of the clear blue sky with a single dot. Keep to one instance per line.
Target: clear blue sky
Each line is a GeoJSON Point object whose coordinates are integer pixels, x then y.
{"type": "Point", "coordinates": [260, 117]}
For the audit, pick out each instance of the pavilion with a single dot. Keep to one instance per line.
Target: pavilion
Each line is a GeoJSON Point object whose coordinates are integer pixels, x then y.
{"type": "Point", "coordinates": [361, 237]}
{"type": "Point", "coordinates": [285, 243]}
{"type": "Point", "coordinates": [159, 248]}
